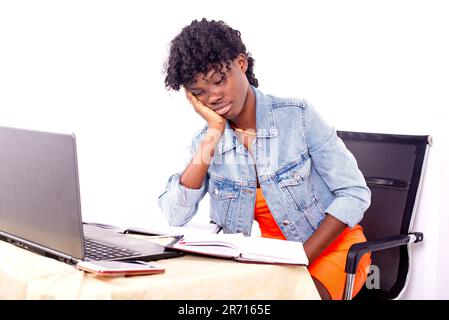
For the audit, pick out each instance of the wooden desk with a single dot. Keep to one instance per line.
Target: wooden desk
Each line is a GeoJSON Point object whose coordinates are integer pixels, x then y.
{"type": "Point", "coordinates": [25, 275]}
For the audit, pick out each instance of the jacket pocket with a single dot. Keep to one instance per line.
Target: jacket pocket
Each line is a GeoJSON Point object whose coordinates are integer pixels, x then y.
{"type": "Point", "coordinates": [223, 195]}
{"type": "Point", "coordinates": [294, 183]}
{"type": "Point", "coordinates": [314, 214]}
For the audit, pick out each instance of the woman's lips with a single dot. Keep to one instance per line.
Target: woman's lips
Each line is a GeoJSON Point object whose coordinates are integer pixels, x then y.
{"type": "Point", "coordinates": [224, 110]}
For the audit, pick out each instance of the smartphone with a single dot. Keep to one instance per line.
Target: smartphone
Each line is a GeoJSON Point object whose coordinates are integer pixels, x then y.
{"type": "Point", "coordinates": [119, 268]}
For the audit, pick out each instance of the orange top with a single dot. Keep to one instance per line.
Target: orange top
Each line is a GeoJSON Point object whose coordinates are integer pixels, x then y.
{"type": "Point", "coordinates": [263, 216]}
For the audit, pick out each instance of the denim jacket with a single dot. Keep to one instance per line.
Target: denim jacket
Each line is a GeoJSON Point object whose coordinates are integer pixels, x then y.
{"type": "Point", "coordinates": [304, 170]}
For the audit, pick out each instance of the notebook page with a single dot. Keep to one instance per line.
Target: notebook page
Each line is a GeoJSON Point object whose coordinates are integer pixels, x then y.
{"type": "Point", "coordinates": [273, 250]}
{"type": "Point", "coordinates": [225, 240]}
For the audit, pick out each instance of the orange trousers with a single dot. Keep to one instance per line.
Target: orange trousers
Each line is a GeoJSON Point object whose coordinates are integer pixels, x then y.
{"type": "Point", "coordinates": [329, 267]}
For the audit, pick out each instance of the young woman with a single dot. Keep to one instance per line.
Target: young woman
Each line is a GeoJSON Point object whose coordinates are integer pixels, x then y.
{"type": "Point", "coordinates": [263, 158]}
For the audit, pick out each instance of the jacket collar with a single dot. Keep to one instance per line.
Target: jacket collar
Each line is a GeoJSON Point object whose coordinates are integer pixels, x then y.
{"type": "Point", "coordinates": [265, 124]}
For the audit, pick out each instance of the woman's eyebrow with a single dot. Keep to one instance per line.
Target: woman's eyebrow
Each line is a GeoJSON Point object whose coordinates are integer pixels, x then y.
{"type": "Point", "coordinates": [210, 75]}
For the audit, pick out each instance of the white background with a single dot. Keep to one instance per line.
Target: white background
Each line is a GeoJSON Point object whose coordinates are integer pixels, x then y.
{"type": "Point", "coordinates": [96, 68]}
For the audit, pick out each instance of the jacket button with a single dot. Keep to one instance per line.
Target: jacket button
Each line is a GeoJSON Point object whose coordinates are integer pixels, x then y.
{"type": "Point", "coordinates": [215, 191]}
{"type": "Point", "coordinates": [285, 222]}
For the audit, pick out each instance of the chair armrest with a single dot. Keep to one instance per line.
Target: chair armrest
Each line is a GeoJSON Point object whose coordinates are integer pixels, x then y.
{"type": "Point", "coordinates": [356, 251]}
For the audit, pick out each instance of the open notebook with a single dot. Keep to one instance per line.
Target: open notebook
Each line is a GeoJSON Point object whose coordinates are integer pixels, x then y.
{"type": "Point", "coordinates": [241, 248]}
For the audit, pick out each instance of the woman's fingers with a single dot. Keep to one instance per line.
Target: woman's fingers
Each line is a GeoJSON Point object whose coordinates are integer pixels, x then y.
{"type": "Point", "coordinates": [212, 118]}
{"type": "Point", "coordinates": [197, 104]}
{"type": "Point", "coordinates": [193, 100]}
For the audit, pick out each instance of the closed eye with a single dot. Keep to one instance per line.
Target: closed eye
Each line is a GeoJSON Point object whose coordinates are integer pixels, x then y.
{"type": "Point", "coordinates": [221, 80]}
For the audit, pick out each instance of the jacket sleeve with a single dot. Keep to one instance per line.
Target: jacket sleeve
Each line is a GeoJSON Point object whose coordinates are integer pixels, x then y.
{"type": "Point", "coordinates": [338, 168]}
{"type": "Point", "coordinates": [178, 203]}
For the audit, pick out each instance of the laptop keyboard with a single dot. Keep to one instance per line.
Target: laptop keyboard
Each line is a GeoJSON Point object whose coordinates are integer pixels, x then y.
{"type": "Point", "coordinates": [99, 251]}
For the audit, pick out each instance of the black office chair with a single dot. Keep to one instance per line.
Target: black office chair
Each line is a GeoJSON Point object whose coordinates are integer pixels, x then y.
{"type": "Point", "coordinates": [393, 167]}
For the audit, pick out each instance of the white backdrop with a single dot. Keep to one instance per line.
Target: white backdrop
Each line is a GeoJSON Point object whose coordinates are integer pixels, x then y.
{"type": "Point", "coordinates": [96, 68]}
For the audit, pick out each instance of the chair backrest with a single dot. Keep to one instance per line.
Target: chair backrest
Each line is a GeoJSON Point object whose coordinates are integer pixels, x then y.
{"type": "Point", "coordinates": [393, 168]}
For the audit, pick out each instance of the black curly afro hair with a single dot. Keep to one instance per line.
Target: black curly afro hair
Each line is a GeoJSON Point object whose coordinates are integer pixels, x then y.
{"type": "Point", "coordinates": [200, 46]}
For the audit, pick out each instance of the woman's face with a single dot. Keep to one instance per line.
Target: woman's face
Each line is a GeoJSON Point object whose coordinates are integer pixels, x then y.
{"type": "Point", "coordinates": [223, 91]}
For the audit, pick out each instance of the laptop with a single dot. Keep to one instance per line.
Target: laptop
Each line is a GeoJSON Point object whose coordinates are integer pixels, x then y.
{"type": "Point", "coordinates": [40, 208]}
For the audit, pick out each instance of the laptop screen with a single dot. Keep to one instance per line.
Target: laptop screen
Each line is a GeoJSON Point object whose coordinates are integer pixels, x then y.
{"type": "Point", "coordinates": [39, 189]}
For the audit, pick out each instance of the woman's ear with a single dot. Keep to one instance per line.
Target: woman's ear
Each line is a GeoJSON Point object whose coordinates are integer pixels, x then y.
{"type": "Point", "coordinates": [242, 62]}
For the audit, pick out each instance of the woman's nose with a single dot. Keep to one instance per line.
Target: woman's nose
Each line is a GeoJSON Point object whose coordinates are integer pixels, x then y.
{"type": "Point", "coordinates": [214, 98]}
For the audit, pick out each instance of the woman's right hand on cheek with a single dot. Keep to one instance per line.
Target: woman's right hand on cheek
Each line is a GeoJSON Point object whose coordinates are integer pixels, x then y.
{"type": "Point", "coordinates": [213, 119]}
